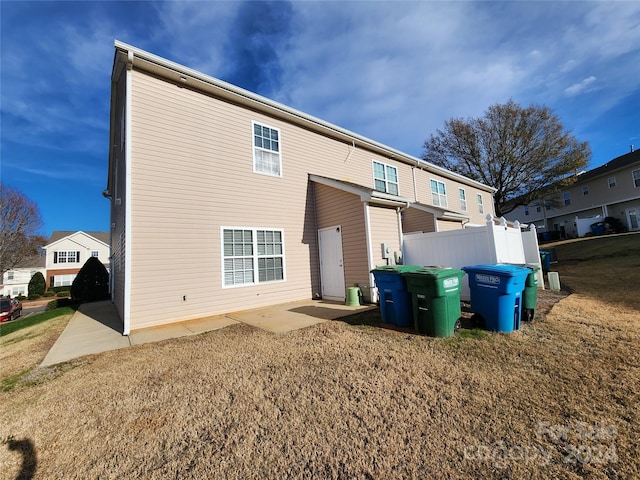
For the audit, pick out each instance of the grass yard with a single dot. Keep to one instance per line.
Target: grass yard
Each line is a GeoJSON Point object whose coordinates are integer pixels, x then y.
{"type": "Point", "coordinates": [557, 399]}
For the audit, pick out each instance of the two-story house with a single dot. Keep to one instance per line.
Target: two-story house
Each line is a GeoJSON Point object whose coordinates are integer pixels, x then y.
{"type": "Point", "coordinates": [15, 282]}
{"type": "Point", "coordinates": [223, 200]}
{"type": "Point", "coordinates": [611, 190]}
{"type": "Point", "coordinates": [68, 251]}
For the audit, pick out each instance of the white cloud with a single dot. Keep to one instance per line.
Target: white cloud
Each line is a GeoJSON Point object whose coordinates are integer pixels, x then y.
{"type": "Point", "coordinates": [581, 87]}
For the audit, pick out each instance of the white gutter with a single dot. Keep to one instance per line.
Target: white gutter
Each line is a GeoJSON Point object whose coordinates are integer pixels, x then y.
{"type": "Point", "coordinates": [373, 292]}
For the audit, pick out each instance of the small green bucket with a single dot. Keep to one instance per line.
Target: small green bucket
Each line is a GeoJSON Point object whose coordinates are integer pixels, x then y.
{"type": "Point", "coordinates": [353, 297]}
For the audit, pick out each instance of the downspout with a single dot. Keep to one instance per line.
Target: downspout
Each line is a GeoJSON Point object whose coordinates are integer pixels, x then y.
{"type": "Point", "coordinates": [373, 292]}
{"type": "Point", "coordinates": [127, 222]}
{"type": "Point", "coordinates": [415, 185]}
{"type": "Point", "coordinates": [399, 211]}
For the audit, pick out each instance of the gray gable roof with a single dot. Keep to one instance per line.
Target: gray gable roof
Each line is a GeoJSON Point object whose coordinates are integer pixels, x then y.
{"type": "Point", "coordinates": [104, 237]}
{"type": "Point", "coordinates": [615, 164]}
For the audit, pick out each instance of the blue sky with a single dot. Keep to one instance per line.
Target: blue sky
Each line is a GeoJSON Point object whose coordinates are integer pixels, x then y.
{"type": "Point", "coordinates": [391, 71]}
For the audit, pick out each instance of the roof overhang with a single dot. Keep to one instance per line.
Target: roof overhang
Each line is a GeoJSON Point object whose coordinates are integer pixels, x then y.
{"type": "Point", "coordinates": [366, 194]}
{"type": "Point", "coordinates": [441, 213]}
{"type": "Point", "coordinates": [132, 57]}
{"type": "Point", "coordinates": [375, 197]}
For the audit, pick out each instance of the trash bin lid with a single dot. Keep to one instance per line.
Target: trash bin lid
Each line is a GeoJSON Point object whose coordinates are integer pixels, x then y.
{"type": "Point", "coordinates": [531, 266]}
{"type": "Point", "coordinates": [436, 272]}
{"type": "Point", "coordinates": [398, 269]}
{"type": "Point", "coordinates": [501, 270]}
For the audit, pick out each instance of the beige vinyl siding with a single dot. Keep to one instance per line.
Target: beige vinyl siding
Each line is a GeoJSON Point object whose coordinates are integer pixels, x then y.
{"type": "Point", "coordinates": [447, 225]}
{"type": "Point", "coordinates": [423, 186]}
{"type": "Point", "coordinates": [384, 229]}
{"type": "Point", "coordinates": [192, 173]}
{"type": "Point", "coordinates": [335, 207]}
{"type": "Point", "coordinates": [414, 220]}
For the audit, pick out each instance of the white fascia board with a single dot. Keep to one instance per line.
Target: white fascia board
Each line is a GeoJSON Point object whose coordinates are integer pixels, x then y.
{"type": "Point", "coordinates": [296, 116]}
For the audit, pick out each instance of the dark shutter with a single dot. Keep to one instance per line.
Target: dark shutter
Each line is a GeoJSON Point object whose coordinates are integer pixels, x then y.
{"type": "Point", "coordinates": [52, 281]}
{"type": "Point", "coordinates": [77, 257]}
{"type": "Point", "coordinates": [55, 257]}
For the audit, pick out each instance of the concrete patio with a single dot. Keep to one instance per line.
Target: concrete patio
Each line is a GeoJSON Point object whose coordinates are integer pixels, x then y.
{"type": "Point", "coordinates": [96, 327]}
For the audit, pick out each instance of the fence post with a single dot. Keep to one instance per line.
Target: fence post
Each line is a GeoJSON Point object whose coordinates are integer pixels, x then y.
{"type": "Point", "coordinates": [491, 239]}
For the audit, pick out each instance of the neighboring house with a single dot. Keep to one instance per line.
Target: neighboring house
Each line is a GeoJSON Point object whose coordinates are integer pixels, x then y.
{"type": "Point", "coordinates": [223, 200]}
{"type": "Point", "coordinates": [15, 282]}
{"type": "Point", "coordinates": [611, 190]}
{"type": "Point", "coordinates": [68, 251]}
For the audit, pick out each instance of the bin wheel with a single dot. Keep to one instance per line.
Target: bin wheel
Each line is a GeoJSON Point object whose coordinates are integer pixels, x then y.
{"type": "Point", "coordinates": [477, 320]}
{"type": "Point", "coordinates": [457, 326]}
{"type": "Point", "coordinates": [529, 313]}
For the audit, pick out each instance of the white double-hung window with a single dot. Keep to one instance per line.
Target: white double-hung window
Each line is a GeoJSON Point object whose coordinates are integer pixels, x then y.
{"type": "Point", "coordinates": [266, 150]}
{"type": "Point", "coordinates": [438, 193]}
{"type": "Point", "coordinates": [463, 199]}
{"type": "Point", "coordinates": [252, 255]}
{"type": "Point", "coordinates": [385, 178]}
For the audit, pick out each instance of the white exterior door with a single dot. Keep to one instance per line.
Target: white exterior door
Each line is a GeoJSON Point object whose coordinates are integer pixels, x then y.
{"type": "Point", "coordinates": [633, 218]}
{"type": "Point", "coordinates": [331, 264]}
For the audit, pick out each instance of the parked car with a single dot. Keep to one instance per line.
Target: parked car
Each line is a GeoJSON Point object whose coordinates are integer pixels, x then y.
{"type": "Point", "coordinates": [10, 309]}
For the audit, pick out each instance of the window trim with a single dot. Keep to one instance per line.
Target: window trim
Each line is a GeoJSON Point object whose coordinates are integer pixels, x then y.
{"type": "Point", "coordinates": [480, 203]}
{"type": "Point", "coordinates": [440, 195]}
{"type": "Point", "coordinates": [610, 183]}
{"type": "Point", "coordinates": [64, 256]}
{"type": "Point", "coordinates": [255, 148]}
{"type": "Point", "coordinates": [635, 180]}
{"type": "Point", "coordinates": [386, 180]}
{"type": "Point", "coordinates": [462, 195]}
{"type": "Point", "coordinates": [585, 190]}
{"type": "Point", "coordinates": [566, 198]}
{"type": "Point", "coordinates": [255, 257]}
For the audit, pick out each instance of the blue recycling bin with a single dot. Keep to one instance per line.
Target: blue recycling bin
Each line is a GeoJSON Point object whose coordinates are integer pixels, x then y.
{"type": "Point", "coordinates": [395, 300]}
{"type": "Point", "coordinates": [496, 294]}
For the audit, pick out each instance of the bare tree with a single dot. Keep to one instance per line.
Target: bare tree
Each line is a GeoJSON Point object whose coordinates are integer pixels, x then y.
{"type": "Point", "coordinates": [21, 221]}
{"type": "Point", "coordinates": [522, 152]}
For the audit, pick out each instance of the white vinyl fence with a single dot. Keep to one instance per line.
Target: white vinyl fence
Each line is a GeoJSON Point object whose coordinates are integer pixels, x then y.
{"type": "Point", "coordinates": [497, 242]}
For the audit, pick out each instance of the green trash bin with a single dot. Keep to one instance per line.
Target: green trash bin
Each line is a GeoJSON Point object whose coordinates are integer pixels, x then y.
{"type": "Point", "coordinates": [435, 298]}
{"type": "Point", "coordinates": [530, 292]}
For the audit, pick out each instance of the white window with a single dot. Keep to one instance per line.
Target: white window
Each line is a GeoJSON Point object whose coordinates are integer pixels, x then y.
{"type": "Point", "coordinates": [538, 207]}
{"type": "Point", "coordinates": [463, 199]}
{"type": "Point", "coordinates": [480, 204]}
{"type": "Point", "coordinates": [95, 253]}
{"type": "Point", "coordinates": [66, 257]}
{"type": "Point", "coordinates": [385, 178]}
{"type": "Point", "coordinates": [63, 280]}
{"type": "Point", "coordinates": [10, 275]}
{"type": "Point", "coordinates": [438, 193]}
{"type": "Point", "coordinates": [585, 190]}
{"type": "Point", "coordinates": [252, 255]}
{"type": "Point", "coordinates": [266, 150]}
{"type": "Point", "coordinates": [612, 182]}
{"type": "Point", "coordinates": [636, 178]}
{"type": "Point", "coordinates": [566, 196]}
{"type": "Point", "coordinates": [526, 210]}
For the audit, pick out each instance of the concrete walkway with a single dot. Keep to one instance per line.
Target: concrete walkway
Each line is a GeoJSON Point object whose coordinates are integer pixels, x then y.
{"type": "Point", "coordinates": [96, 327]}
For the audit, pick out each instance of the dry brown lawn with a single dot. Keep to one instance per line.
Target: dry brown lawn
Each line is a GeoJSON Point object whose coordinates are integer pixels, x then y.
{"type": "Point", "coordinates": [558, 399]}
